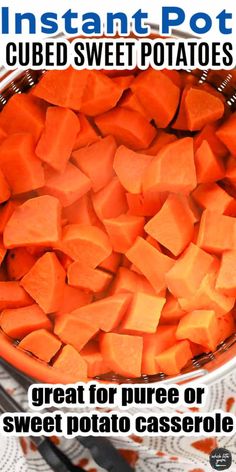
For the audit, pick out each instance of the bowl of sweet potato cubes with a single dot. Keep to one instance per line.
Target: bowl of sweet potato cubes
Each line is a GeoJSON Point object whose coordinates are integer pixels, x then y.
{"type": "Point", "coordinates": [117, 224]}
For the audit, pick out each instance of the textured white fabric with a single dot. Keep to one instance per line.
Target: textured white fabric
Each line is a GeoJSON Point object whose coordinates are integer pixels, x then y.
{"type": "Point", "coordinates": [175, 454]}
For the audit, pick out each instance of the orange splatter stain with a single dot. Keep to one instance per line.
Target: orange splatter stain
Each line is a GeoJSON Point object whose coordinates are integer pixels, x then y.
{"type": "Point", "coordinates": [130, 456]}
{"type": "Point", "coordinates": [205, 445]}
{"type": "Point", "coordinates": [33, 447]}
{"type": "Point", "coordinates": [136, 439]}
{"type": "Point", "coordinates": [160, 454]}
{"type": "Point", "coordinates": [197, 470]}
{"type": "Point", "coordinates": [24, 445]}
{"type": "Point", "coordinates": [174, 458]}
{"type": "Point", "coordinates": [55, 440]}
{"type": "Point", "coordinates": [92, 470]}
{"type": "Point", "coordinates": [82, 463]}
{"type": "Point", "coordinates": [230, 403]}
{"type": "Point", "coordinates": [194, 409]}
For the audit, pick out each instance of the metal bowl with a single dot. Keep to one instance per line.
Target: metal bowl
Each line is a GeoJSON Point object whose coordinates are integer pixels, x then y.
{"type": "Point", "coordinates": [209, 367]}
